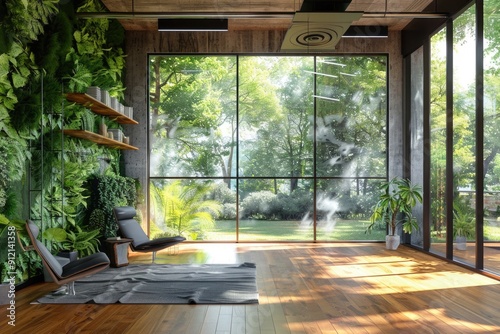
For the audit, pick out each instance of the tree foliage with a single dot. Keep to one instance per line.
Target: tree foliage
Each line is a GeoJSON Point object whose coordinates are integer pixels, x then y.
{"type": "Point", "coordinates": [186, 208]}
{"type": "Point", "coordinates": [195, 128]}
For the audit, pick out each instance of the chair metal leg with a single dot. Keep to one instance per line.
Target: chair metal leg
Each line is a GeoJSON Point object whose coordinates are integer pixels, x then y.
{"type": "Point", "coordinates": [71, 288]}
{"type": "Point", "coordinates": [62, 290]}
{"type": "Point", "coordinates": [153, 257]}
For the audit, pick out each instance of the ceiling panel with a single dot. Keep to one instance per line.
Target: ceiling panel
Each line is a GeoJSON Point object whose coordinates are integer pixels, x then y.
{"type": "Point", "coordinates": [143, 12]}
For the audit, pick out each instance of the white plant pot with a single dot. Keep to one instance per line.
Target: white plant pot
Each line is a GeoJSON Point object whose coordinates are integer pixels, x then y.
{"type": "Point", "coordinates": [461, 243]}
{"type": "Point", "coordinates": [95, 92]}
{"type": "Point", "coordinates": [392, 242]}
{"type": "Point", "coordinates": [105, 98]}
{"type": "Point", "coordinates": [4, 294]}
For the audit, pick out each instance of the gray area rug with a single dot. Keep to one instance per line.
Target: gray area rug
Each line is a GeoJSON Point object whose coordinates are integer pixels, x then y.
{"type": "Point", "coordinates": [165, 284]}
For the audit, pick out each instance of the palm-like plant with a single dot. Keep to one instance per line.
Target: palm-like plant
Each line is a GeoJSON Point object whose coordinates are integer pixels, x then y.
{"type": "Point", "coordinates": [185, 207]}
{"type": "Point", "coordinates": [464, 221]}
{"type": "Point", "coordinates": [399, 195]}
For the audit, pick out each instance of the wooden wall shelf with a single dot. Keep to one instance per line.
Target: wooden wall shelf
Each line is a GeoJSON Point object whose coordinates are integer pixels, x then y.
{"type": "Point", "coordinates": [99, 108]}
{"type": "Point", "coordinates": [98, 139]}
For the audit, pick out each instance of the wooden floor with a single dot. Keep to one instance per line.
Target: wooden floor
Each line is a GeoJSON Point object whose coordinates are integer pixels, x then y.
{"type": "Point", "coordinates": [304, 288]}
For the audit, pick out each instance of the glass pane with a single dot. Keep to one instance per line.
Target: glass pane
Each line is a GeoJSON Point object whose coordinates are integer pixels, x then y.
{"type": "Point", "coordinates": [270, 210]}
{"type": "Point", "coordinates": [192, 116]}
{"type": "Point", "coordinates": [248, 123]}
{"type": "Point", "coordinates": [275, 113]}
{"type": "Point", "coordinates": [438, 143]}
{"type": "Point", "coordinates": [416, 135]}
{"type": "Point", "coordinates": [491, 134]}
{"type": "Point", "coordinates": [351, 100]}
{"type": "Point", "coordinates": [196, 209]}
{"type": "Point", "coordinates": [344, 208]}
{"type": "Point", "coordinates": [464, 150]}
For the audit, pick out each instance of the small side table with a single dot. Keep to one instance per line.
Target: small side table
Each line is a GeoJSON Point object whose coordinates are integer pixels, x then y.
{"type": "Point", "coordinates": [117, 251]}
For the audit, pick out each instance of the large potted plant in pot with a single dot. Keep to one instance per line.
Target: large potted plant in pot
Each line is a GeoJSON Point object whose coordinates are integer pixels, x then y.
{"type": "Point", "coordinates": [464, 224]}
{"type": "Point", "coordinates": [394, 207]}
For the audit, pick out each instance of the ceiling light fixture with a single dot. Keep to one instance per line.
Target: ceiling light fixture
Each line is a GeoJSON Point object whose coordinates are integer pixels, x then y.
{"type": "Point", "coordinates": [367, 32]}
{"type": "Point", "coordinates": [188, 24]}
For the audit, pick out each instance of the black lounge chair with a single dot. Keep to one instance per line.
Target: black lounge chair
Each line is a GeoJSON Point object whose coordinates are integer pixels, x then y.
{"type": "Point", "coordinates": [129, 228]}
{"type": "Point", "coordinates": [70, 272]}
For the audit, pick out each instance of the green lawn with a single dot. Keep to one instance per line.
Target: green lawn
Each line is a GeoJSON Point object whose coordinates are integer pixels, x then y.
{"type": "Point", "coordinates": [264, 230]}
{"type": "Point", "coordinates": [338, 230]}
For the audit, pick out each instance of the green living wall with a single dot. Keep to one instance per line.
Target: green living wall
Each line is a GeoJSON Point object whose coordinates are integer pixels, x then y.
{"type": "Point", "coordinates": [45, 52]}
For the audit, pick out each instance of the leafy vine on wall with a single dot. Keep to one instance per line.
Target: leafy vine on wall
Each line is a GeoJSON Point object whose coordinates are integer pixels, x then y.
{"type": "Point", "coordinates": [46, 51]}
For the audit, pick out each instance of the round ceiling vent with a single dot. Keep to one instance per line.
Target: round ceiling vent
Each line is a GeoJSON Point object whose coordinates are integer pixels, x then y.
{"type": "Point", "coordinates": [313, 35]}
{"type": "Point", "coordinates": [311, 31]}
{"type": "Point", "coordinates": [314, 38]}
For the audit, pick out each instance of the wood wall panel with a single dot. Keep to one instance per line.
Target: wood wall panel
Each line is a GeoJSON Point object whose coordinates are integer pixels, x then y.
{"type": "Point", "coordinates": [217, 42]}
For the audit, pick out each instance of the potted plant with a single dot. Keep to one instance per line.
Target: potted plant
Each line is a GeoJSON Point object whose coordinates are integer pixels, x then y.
{"type": "Point", "coordinates": [464, 223]}
{"type": "Point", "coordinates": [394, 207]}
{"type": "Point", "coordinates": [79, 243]}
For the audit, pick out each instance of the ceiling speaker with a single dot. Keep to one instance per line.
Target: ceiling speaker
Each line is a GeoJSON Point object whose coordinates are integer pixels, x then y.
{"type": "Point", "coordinates": [317, 32]}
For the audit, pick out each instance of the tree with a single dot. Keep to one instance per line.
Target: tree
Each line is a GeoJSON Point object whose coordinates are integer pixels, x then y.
{"type": "Point", "coordinates": [197, 125]}
{"type": "Point", "coordinates": [194, 121]}
{"type": "Point", "coordinates": [192, 107]}
{"type": "Point", "coordinates": [282, 146]}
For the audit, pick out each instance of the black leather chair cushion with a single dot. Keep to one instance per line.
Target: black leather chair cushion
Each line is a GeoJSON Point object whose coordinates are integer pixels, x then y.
{"type": "Point", "coordinates": [155, 243]}
{"type": "Point", "coordinates": [71, 269]}
{"type": "Point", "coordinates": [84, 264]}
{"type": "Point", "coordinates": [130, 228]}
{"type": "Point", "coordinates": [124, 212]}
{"type": "Point", "coordinates": [49, 258]}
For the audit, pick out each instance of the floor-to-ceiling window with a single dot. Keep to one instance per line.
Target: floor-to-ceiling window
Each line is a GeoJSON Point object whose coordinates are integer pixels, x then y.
{"type": "Point", "coordinates": [193, 137]}
{"type": "Point", "coordinates": [438, 127]}
{"type": "Point", "coordinates": [491, 136]}
{"type": "Point", "coordinates": [266, 148]}
{"type": "Point", "coordinates": [351, 131]}
{"type": "Point", "coordinates": [459, 160]}
{"type": "Point", "coordinates": [464, 134]}
{"type": "Point", "coordinates": [452, 138]}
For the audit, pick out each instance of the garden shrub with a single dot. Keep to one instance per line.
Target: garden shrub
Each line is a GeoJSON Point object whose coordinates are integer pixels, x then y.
{"type": "Point", "coordinates": [365, 204]}
{"type": "Point", "coordinates": [347, 207]}
{"type": "Point", "coordinates": [228, 211]}
{"type": "Point", "coordinates": [165, 234]}
{"type": "Point", "coordinates": [223, 194]}
{"type": "Point", "coordinates": [291, 206]}
{"type": "Point", "coordinates": [257, 205]}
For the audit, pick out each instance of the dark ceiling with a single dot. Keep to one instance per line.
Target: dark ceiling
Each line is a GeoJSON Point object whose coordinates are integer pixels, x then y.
{"type": "Point", "coordinates": [276, 14]}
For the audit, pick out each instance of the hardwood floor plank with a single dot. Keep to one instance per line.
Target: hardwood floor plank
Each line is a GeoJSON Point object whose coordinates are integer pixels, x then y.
{"type": "Point", "coordinates": [252, 324]}
{"type": "Point", "coordinates": [198, 315]}
{"type": "Point", "coordinates": [238, 319]}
